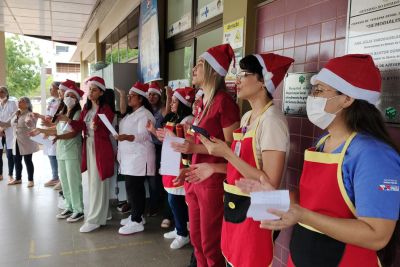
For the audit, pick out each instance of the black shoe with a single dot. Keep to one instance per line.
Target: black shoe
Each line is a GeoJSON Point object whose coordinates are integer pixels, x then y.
{"type": "Point", "coordinates": [75, 217]}
{"type": "Point", "coordinates": [64, 214]}
{"type": "Point", "coordinates": [193, 261]}
{"type": "Point", "coordinates": [125, 208]}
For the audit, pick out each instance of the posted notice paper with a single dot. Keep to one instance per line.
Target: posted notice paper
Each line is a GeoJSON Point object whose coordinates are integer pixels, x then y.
{"type": "Point", "coordinates": [262, 201]}
{"type": "Point", "coordinates": [170, 160]}
{"type": "Point", "coordinates": [107, 123]}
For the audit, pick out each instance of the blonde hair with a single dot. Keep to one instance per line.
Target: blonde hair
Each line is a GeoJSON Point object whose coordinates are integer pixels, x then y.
{"type": "Point", "coordinates": [214, 81]}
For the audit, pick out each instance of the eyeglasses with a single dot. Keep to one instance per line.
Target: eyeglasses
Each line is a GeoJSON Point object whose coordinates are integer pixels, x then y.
{"type": "Point", "coordinates": [317, 90]}
{"type": "Point", "coordinates": [243, 74]}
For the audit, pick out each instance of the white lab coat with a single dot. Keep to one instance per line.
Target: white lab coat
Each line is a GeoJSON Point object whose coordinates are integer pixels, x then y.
{"type": "Point", "coordinates": [52, 106]}
{"type": "Point", "coordinates": [6, 112]}
{"type": "Point", "coordinates": [136, 158]}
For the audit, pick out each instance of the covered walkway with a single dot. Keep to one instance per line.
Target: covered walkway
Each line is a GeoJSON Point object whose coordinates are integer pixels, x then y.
{"type": "Point", "coordinates": [30, 235]}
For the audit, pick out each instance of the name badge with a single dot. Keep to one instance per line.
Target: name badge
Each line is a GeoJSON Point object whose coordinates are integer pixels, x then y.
{"type": "Point", "coordinates": [238, 146]}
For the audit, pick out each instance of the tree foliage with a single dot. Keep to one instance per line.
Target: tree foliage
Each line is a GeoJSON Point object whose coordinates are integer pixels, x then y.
{"type": "Point", "coordinates": [23, 66]}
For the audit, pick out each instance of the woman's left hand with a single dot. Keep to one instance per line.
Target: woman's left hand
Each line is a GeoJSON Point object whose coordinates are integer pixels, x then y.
{"type": "Point", "coordinates": [199, 172]}
{"type": "Point", "coordinates": [287, 219]}
{"type": "Point", "coordinates": [185, 148]}
{"type": "Point", "coordinates": [215, 146]}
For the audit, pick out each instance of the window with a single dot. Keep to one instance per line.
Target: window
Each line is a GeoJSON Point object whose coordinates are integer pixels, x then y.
{"type": "Point", "coordinates": [179, 16]}
{"type": "Point", "coordinates": [68, 68]}
{"type": "Point", "coordinates": [207, 9]}
{"type": "Point", "coordinates": [180, 64]}
{"type": "Point", "coordinates": [61, 49]}
{"type": "Point", "coordinates": [121, 45]}
{"type": "Point", "coordinates": [208, 40]}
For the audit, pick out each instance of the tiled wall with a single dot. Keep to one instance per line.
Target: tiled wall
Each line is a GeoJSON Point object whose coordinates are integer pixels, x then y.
{"type": "Point", "coordinates": [311, 32]}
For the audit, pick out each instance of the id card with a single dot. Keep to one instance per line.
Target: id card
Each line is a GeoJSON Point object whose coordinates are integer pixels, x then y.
{"type": "Point", "coordinates": [238, 147]}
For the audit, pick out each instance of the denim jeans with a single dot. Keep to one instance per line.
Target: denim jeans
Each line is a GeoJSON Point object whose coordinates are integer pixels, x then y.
{"type": "Point", "coordinates": [180, 211]}
{"type": "Point", "coordinates": [54, 167]}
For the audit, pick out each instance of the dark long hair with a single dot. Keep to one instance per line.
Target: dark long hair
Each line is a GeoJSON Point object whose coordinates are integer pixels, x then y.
{"type": "Point", "coordinates": [182, 112]}
{"type": "Point", "coordinates": [109, 98]}
{"type": "Point", "coordinates": [364, 117]}
{"type": "Point", "coordinates": [250, 63]}
{"type": "Point", "coordinates": [102, 102]}
{"type": "Point", "coordinates": [145, 102]}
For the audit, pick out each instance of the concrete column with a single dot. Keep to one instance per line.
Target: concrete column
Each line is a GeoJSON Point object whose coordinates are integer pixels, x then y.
{"type": "Point", "coordinates": [99, 53]}
{"type": "Point", "coordinates": [84, 68]}
{"type": "Point", "coordinates": [2, 59]}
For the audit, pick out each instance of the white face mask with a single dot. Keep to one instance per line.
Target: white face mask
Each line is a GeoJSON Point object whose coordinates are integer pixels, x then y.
{"type": "Point", "coordinates": [69, 101]}
{"type": "Point", "coordinates": [316, 111]}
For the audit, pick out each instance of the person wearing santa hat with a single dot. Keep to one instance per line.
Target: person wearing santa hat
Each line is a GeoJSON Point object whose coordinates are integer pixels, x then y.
{"type": "Point", "coordinates": [260, 149]}
{"type": "Point", "coordinates": [175, 122]}
{"type": "Point", "coordinates": [69, 154]}
{"type": "Point", "coordinates": [219, 116]}
{"type": "Point", "coordinates": [349, 197]}
{"type": "Point", "coordinates": [136, 155]}
{"type": "Point", "coordinates": [97, 153]}
{"type": "Point", "coordinates": [160, 110]}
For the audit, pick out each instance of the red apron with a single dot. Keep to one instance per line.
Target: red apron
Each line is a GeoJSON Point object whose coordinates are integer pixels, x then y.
{"type": "Point", "coordinates": [243, 243]}
{"type": "Point", "coordinates": [322, 190]}
{"type": "Point", "coordinates": [167, 180]}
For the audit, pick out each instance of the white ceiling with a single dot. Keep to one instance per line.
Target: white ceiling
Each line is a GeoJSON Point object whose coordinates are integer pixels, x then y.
{"type": "Point", "coordinates": [59, 20]}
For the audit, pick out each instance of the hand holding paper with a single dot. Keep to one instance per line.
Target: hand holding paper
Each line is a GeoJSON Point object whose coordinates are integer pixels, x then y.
{"type": "Point", "coordinates": [170, 159]}
{"type": "Point", "coordinates": [261, 202]}
{"type": "Point", "coordinates": [107, 123]}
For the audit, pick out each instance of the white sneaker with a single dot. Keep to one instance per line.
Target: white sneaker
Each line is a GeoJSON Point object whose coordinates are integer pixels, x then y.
{"type": "Point", "coordinates": [88, 227]}
{"type": "Point", "coordinates": [179, 242]}
{"type": "Point", "coordinates": [171, 235]}
{"type": "Point", "coordinates": [131, 228]}
{"type": "Point", "coordinates": [126, 220]}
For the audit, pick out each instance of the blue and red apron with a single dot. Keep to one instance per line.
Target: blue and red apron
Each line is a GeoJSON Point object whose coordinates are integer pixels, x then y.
{"type": "Point", "coordinates": [322, 190]}
{"type": "Point", "coordinates": [243, 243]}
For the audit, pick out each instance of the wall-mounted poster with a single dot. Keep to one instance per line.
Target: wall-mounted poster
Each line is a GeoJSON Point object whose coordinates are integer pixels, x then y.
{"type": "Point", "coordinates": [175, 84]}
{"type": "Point", "coordinates": [296, 88]}
{"type": "Point", "coordinates": [180, 26]}
{"type": "Point", "coordinates": [373, 28]}
{"type": "Point", "coordinates": [210, 10]}
{"type": "Point", "coordinates": [149, 57]}
{"type": "Point", "coordinates": [233, 34]}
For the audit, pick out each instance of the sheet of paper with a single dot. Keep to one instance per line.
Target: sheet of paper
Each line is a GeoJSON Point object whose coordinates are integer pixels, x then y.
{"type": "Point", "coordinates": [262, 201]}
{"type": "Point", "coordinates": [43, 141]}
{"type": "Point", "coordinates": [170, 160]}
{"type": "Point", "coordinates": [107, 123]}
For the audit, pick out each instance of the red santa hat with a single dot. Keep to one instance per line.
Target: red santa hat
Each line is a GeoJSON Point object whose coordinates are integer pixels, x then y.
{"type": "Point", "coordinates": [220, 57]}
{"type": "Point", "coordinates": [98, 81]}
{"type": "Point", "coordinates": [154, 87]}
{"type": "Point", "coordinates": [140, 89]}
{"type": "Point", "coordinates": [274, 68]}
{"type": "Point", "coordinates": [68, 84]}
{"type": "Point", "coordinates": [354, 75]}
{"type": "Point", "coordinates": [76, 91]}
{"type": "Point", "coordinates": [185, 95]}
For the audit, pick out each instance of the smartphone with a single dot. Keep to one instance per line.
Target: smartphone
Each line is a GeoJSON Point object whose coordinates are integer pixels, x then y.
{"type": "Point", "coordinates": [202, 131]}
